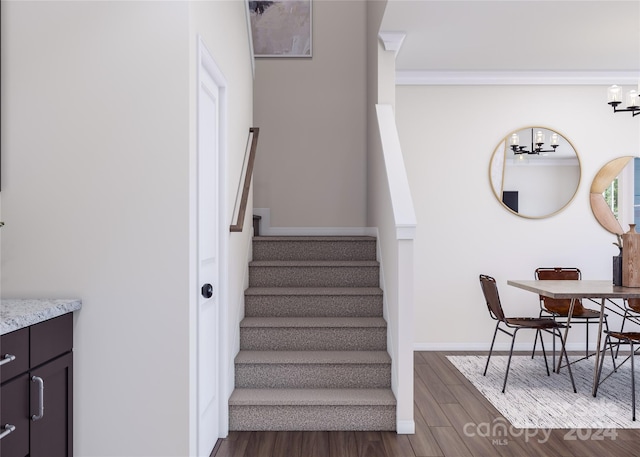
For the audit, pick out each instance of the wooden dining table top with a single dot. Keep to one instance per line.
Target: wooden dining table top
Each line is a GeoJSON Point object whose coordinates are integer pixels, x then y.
{"type": "Point", "coordinates": [579, 288]}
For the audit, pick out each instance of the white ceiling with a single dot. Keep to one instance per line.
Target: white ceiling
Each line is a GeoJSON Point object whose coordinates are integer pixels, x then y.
{"type": "Point", "coordinates": [577, 36]}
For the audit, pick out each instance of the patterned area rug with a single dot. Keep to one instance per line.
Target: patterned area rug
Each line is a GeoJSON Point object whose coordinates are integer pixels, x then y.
{"type": "Point", "coordinates": [534, 400]}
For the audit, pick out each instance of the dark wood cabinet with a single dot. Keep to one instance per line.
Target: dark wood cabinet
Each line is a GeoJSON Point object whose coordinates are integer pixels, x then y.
{"type": "Point", "coordinates": [14, 344]}
{"type": "Point", "coordinates": [14, 410]}
{"type": "Point", "coordinates": [52, 435]}
{"type": "Point", "coordinates": [36, 394]}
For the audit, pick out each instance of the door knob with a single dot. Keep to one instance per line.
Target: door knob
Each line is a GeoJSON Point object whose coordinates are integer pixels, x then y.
{"type": "Point", "coordinates": [207, 290]}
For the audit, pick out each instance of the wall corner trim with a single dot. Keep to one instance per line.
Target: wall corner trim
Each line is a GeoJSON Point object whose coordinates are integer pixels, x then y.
{"type": "Point", "coordinates": [392, 41]}
{"type": "Point", "coordinates": [406, 427]}
{"type": "Point", "coordinates": [405, 232]}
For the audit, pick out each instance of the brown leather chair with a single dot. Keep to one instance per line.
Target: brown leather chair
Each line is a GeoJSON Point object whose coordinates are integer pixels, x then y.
{"type": "Point", "coordinates": [631, 313]}
{"type": "Point", "coordinates": [630, 338]}
{"type": "Point", "coordinates": [558, 308]}
{"type": "Point", "coordinates": [539, 324]}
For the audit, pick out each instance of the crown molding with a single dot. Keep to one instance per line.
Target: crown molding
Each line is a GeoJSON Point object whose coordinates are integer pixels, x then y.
{"type": "Point", "coordinates": [506, 78]}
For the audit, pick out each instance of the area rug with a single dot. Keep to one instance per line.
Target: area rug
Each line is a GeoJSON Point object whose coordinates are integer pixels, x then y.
{"type": "Point", "coordinates": [534, 400]}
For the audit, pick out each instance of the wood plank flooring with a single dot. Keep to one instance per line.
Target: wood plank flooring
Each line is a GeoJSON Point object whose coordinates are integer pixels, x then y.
{"type": "Point", "coordinates": [449, 415]}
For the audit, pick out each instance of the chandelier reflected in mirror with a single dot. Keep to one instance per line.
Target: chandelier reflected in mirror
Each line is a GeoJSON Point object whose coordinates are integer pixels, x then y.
{"type": "Point", "coordinates": [614, 98]}
{"type": "Point", "coordinates": [537, 143]}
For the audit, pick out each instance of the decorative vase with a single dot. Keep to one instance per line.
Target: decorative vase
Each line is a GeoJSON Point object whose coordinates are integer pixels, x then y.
{"type": "Point", "coordinates": [631, 258]}
{"type": "Point", "coordinates": [617, 269]}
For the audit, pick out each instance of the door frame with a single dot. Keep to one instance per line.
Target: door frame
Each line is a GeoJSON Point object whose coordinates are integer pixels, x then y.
{"type": "Point", "coordinates": [206, 63]}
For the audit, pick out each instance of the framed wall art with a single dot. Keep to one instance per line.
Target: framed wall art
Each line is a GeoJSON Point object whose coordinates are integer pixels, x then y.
{"type": "Point", "coordinates": [281, 28]}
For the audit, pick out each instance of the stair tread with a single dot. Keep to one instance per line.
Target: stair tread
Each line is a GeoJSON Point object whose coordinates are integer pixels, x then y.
{"type": "Point", "coordinates": [313, 273]}
{"type": "Point", "coordinates": [313, 263]}
{"type": "Point", "coordinates": [311, 397]}
{"type": "Point", "coordinates": [312, 322]}
{"type": "Point", "coordinates": [313, 357]}
{"type": "Point", "coordinates": [313, 291]}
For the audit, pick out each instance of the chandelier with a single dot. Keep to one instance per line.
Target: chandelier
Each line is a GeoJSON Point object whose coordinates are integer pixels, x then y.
{"type": "Point", "coordinates": [614, 96]}
{"type": "Point", "coordinates": [536, 145]}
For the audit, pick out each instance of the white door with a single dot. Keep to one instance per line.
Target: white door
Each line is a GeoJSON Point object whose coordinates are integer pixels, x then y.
{"type": "Point", "coordinates": [208, 263]}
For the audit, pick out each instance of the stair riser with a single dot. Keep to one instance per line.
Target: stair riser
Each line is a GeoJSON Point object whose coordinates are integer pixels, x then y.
{"type": "Point", "coordinates": [279, 418]}
{"type": "Point", "coordinates": [314, 250]}
{"type": "Point", "coordinates": [313, 306]}
{"type": "Point", "coordinates": [316, 276]}
{"type": "Point", "coordinates": [313, 376]}
{"type": "Point", "coordinates": [314, 339]}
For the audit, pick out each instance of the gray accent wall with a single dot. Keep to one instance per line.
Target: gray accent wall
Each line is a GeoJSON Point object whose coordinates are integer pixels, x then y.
{"type": "Point", "coordinates": [311, 163]}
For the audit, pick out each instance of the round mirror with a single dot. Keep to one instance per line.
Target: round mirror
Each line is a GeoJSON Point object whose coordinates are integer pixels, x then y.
{"type": "Point", "coordinates": [612, 193]}
{"type": "Point", "coordinates": [534, 172]}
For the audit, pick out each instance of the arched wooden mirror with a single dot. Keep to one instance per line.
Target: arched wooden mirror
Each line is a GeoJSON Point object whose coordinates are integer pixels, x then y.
{"type": "Point", "coordinates": [535, 172]}
{"type": "Point", "coordinates": [613, 192]}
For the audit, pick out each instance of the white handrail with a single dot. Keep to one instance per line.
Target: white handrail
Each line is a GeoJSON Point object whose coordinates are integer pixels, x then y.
{"type": "Point", "coordinates": [401, 201]}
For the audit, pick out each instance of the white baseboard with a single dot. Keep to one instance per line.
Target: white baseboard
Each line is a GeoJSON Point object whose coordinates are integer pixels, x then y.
{"type": "Point", "coordinates": [267, 230]}
{"type": "Point", "coordinates": [405, 427]}
{"type": "Point", "coordinates": [485, 347]}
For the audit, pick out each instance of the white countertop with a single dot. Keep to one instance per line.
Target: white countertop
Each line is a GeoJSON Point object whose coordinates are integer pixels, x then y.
{"type": "Point", "coordinates": [19, 313]}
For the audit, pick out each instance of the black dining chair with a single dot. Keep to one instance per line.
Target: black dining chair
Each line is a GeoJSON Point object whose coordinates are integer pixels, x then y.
{"type": "Point", "coordinates": [539, 324]}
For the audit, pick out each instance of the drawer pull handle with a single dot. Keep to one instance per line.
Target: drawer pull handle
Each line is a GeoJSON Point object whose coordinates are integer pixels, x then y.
{"type": "Point", "coordinates": [40, 382]}
{"type": "Point", "coordinates": [7, 358]}
{"type": "Point", "coordinates": [8, 428]}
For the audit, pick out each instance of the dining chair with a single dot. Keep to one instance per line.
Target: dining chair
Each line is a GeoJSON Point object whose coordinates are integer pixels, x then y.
{"type": "Point", "coordinates": [621, 338]}
{"type": "Point", "coordinates": [558, 308]}
{"type": "Point", "coordinates": [539, 324]}
{"type": "Point", "coordinates": [631, 313]}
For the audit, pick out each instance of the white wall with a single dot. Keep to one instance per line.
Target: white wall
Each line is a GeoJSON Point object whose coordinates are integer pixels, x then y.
{"type": "Point", "coordinates": [98, 139]}
{"type": "Point", "coordinates": [542, 189]}
{"type": "Point", "coordinates": [448, 134]}
{"type": "Point", "coordinates": [310, 165]}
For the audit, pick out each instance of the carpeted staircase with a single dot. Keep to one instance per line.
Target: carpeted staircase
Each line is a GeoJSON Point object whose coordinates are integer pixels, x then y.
{"type": "Point", "coordinates": [313, 342]}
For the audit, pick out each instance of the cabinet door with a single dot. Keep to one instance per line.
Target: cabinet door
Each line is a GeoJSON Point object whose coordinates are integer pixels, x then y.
{"type": "Point", "coordinates": [52, 435]}
{"type": "Point", "coordinates": [14, 410]}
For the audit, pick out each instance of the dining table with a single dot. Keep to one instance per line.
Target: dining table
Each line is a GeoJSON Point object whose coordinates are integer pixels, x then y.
{"type": "Point", "coordinates": [580, 289]}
